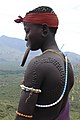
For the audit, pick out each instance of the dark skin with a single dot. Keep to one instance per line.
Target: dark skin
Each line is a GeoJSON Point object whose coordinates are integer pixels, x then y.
{"type": "Point", "coordinates": [40, 37]}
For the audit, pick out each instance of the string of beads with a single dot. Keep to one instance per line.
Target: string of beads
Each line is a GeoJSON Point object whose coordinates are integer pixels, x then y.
{"type": "Point", "coordinates": [55, 52]}
{"type": "Point", "coordinates": [65, 85]}
{"type": "Point", "coordinates": [27, 89]}
{"type": "Point", "coordinates": [20, 114]}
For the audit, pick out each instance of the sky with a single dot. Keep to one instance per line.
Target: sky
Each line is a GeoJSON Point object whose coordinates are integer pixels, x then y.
{"type": "Point", "coordinates": [68, 12]}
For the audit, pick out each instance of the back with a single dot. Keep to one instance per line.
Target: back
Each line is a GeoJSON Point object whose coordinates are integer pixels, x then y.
{"type": "Point", "coordinates": [53, 69]}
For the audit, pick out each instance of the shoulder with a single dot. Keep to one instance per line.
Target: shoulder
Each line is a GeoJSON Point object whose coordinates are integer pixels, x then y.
{"type": "Point", "coordinates": [33, 74]}
{"type": "Point", "coordinates": [34, 63]}
{"type": "Point", "coordinates": [45, 63]}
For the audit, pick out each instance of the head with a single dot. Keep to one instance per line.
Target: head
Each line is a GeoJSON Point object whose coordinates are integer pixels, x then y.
{"type": "Point", "coordinates": [38, 30]}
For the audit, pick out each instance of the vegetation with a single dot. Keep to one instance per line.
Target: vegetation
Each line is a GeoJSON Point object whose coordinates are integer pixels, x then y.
{"type": "Point", "coordinates": [75, 95]}
{"type": "Point", "coordinates": [10, 94]}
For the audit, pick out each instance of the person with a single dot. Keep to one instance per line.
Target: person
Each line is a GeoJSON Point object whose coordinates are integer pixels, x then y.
{"type": "Point", "coordinates": [49, 77]}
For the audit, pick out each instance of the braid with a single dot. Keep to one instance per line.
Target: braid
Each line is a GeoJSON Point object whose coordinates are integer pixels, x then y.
{"type": "Point", "coordinates": [41, 9]}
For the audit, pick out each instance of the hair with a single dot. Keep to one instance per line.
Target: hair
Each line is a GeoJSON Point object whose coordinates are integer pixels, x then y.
{"type": "Point", "coordinates": [41, 9]}
{"type": "Point", "coordinates": [44, 9]}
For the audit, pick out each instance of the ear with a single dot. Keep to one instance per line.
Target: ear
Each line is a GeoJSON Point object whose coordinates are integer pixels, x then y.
{"type": "Point", "coordinates": [45, 30]}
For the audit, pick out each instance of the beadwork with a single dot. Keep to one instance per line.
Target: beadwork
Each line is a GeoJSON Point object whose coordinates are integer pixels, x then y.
{"type": "Point", "coordinates": [65, 85]}
{"type": "Point", "coordinates": [50, 50]}
{"type": "Point", "coordinates": [20, 114]}
{"type": "Point", "coordinates": [27, 89]}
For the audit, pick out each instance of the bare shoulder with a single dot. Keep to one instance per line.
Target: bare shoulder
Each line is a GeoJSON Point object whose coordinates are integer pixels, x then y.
{"type": "Point", "coordinates": [46, 61]}
{"type": "Point", "coordinates": [33, 76]}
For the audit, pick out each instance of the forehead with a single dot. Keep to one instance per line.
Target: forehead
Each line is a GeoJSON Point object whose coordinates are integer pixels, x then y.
{"type": "Point", "coordinates": [30, 25]}
{"type": "Point", "coordinates": [27, 24]}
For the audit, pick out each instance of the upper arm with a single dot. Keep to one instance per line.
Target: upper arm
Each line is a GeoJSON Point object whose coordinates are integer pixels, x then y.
{"type": "Point", "coordinates": [33, 78]}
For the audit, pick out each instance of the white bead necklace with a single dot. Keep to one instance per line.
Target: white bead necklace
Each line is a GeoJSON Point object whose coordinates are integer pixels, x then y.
{"type": "Point", "coordinates": [65, 85]}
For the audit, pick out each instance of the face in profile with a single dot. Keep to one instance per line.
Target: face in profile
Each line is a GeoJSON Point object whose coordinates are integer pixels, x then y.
{"type": "Point", "coordinates": [33, 36]}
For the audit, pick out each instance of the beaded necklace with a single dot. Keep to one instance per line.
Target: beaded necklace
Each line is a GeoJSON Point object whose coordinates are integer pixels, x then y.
{"type": "Point", "coordinates": [65, 84]}
{"type": "Point", "coordinates": [54, 51]}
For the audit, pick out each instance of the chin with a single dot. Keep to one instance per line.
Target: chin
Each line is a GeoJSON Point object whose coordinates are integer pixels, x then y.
{"type": "Point", "coordinates": [34, 49]}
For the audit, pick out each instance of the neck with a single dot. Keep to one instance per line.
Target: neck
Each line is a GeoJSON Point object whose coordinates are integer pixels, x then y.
{"type": "Point", "coordinates": [50, 44]}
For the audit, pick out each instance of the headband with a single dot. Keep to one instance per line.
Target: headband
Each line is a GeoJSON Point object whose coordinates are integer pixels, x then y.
{"type": "Point", "coordinates": [50, 19]}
